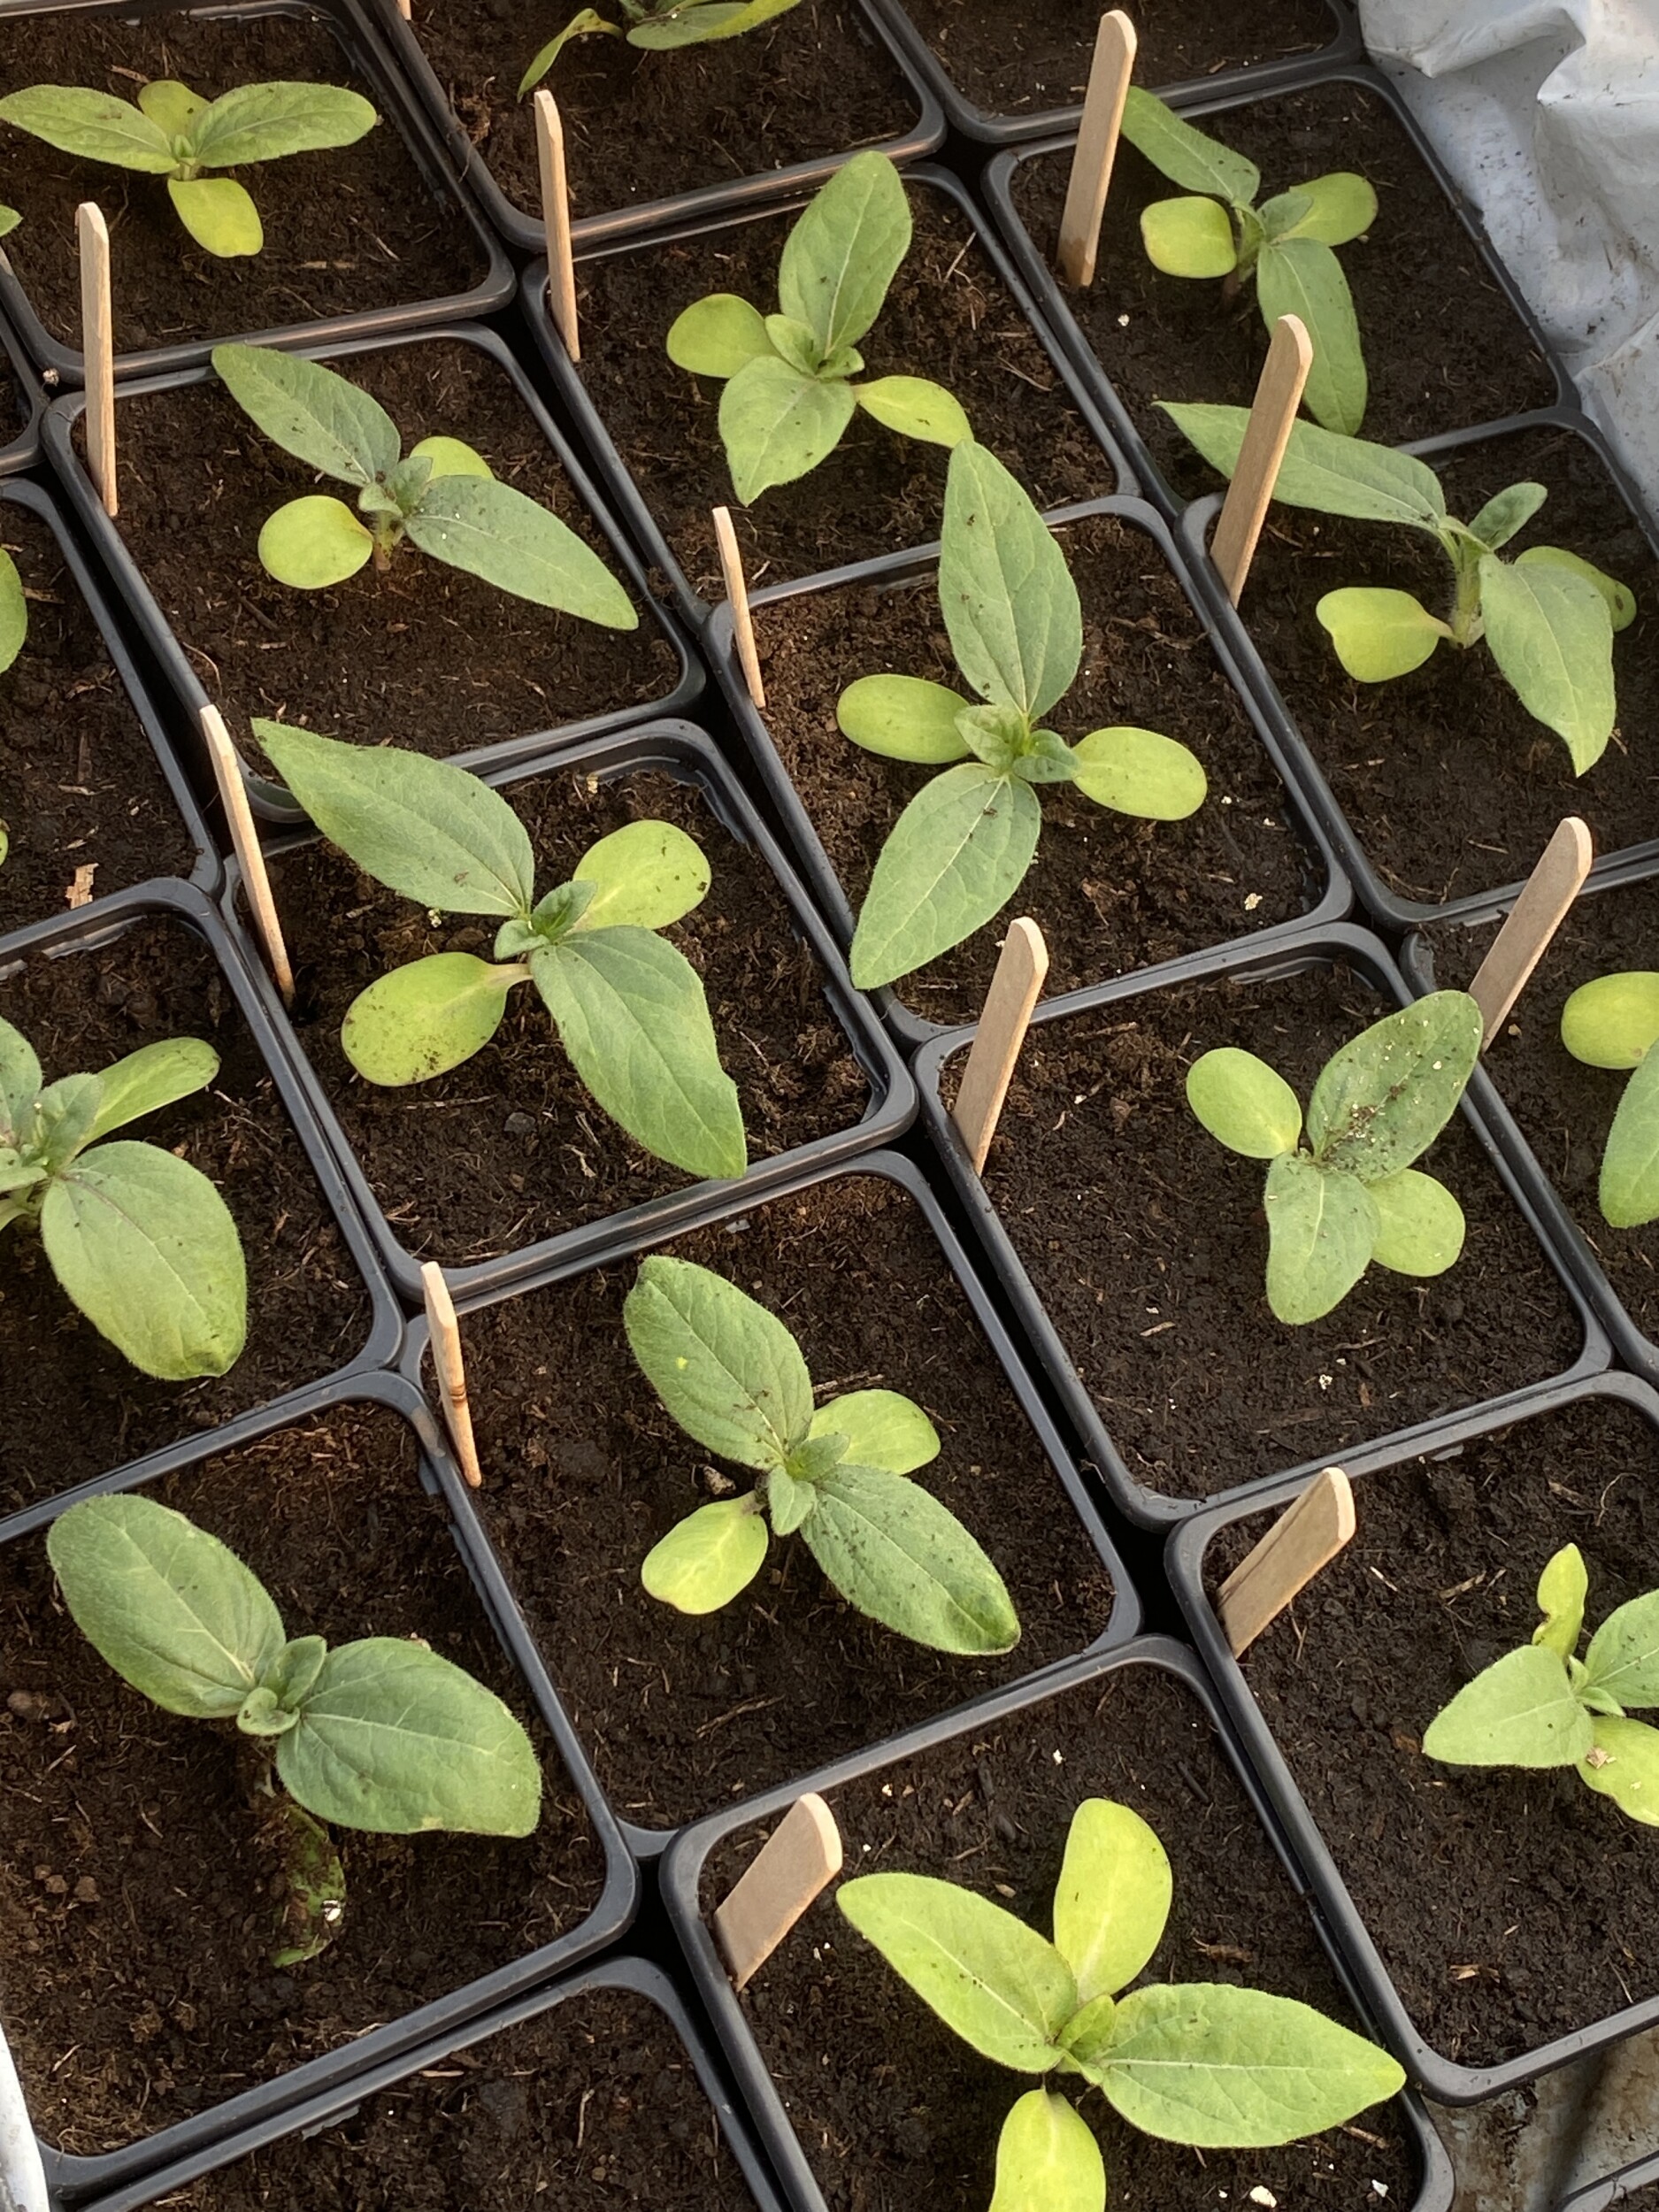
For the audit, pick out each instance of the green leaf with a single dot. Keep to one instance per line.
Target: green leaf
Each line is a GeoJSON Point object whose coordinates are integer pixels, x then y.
{"type": "Point", "coordinates": [645, 876]}
{"type": "Point", "coordinates": [586, 20]}
{"type": "Point", "coordinates": [218, 213]}
{"type": "Point", "coordinates": [19, 1084]}
{"type": "Point", "coordinates": [1421, 1225]}
{"type": "Point", "coordinates": [263, 122]}
{"type": "Point", "coordinates": [698, 26]}
{"type": "Point", "coordinates": [795, 343]}
{"type": "Point", "coordinates": [426, 1018]}
{"type": "Point", "coordinates": [1189, 238]}
{"type": "Point", "coordinates": [719, 335]}
{"type": "Point", "coordinates": [148, 1079]}
{"type": "Point", "coordinates": [952, 860]}
{"type": "Point", "coordinates": [1140, 772]}
{"type": "Point", "coordinates": [1552, 635]}
{"type": "Point", "coordinates": [171, 105]}
{"type": "Point", "coordinates": [1186, 156]}
{"type": "Point", "coordinates": [1624, 1764]}
{"type": "Point", "coordinates": [1046, 2160]}
{"type": "Point", "coordinates": [313, 542]}
{"type": "Point", "coordinates": [1009, 605]}
{"type": "Point", "coordinates": [1612, 1021]}
{"type": "Point", "coordinates": [895, 1554]}
{"type": "Point", "coordinates": [844, 250]}
{"type": "Point", "coordinates": [14, 611]}
{"type": "Point", "coordinates": [791, 1498]}
{"type": "Point", "coordinates": [1322, 1231]}
{"type": "Point", "coordinates": [8, 220]}
{"type": "Point", "coordinates": [1112, 1899]}
{"type": "Point", "coordinates": [1505, 513]}
{"type": "Point", "coordinates": [1300, 276]}
{"type": "Point", "coordinates": [1521, 1711]}
{"type": "Point", "coordinates": [1629, 1189]}
{"type": "Point", "coordinates": [880, 1429]}
{"type": "Point", "coordinates": [450, 457]}
{"type": "Point", "coordinates": [1046, 757]}
{"type": "Point", "coordinates": [396, 1740]}
{"type": "Point", "coordinates": [64, 1114]}
{"type": "Point", "coordinates": [1379, 633]}
{"type": "Point", "coordinates": [1621, 601]}
{"type": "Point", "coordinates": [706, 1559]}
{"type": "Point", "coordinates": [1623, 1654]}
{"type": "Point", "coordinates": [319, 416]}
{"type": "Point", "coordinates": [1341, 207]}
{"type": "Point", "coordinates": [1331, 474]}
{"type": "Point", "coordinates": [425, 828]}
{"type": "Point", "coordinates": [1561, 1589]}
{"type": "Point", "coordinates": [95, 126]}
{"type": "Point", "coordinates": [169, 1607]}
{"type": "Point", "coordinates": [992, 1980]}
{"type": "Point", "coordinates": [778, 425]}
{"type": "Point", "coordinates": [902, 717]}
{"type": "Point", "coordinates": [1383, 1097]}
{"type": "Point", "coordinates": [1244, 1103]}
{"type": "Point", "coordinates": [1224, 2068]}
{"type": "Point", "coordinates": [728, 1371]}
{"type": "Point", "coordinates": [490, 530]}
{"type": "Point", "coordinates": [916, 409]}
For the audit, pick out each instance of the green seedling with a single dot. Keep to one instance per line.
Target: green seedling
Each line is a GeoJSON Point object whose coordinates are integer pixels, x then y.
{"type": "Point", "coordinates": [659, 26]}
{"type": "Point", "coordinates": [174, 133]}
{"type": "Point", "coordinates": [1350, 1194]}
{"type": "Point", "coordinates": [8, 220]}
{"type": "Point", "coordinates": [14, 629]}
{"type": "Point", "coordinates": [1613, 1023]}
{"type": "Point", "coordinates": [628, 1006]}
{"type": "Point", "coordinates": [1285, 244]}
{"type": "Point", "coordinates": [735, 1379]}
{"type": "Point", "coordinates": [442, 498]}
{"type": "Point", "coordinates": [1548, 616]}
{"type": "Point", "coordinates": [382, 1735]}
{"type": "Point", "coordinates": [1207, 2063]}
{"type": "Point", "coordinates": [1542, 1706]}
{"type": "Point", "coordinates": [789, 378]}
{"type": "Point", "coordinates": [139, 1240]}
{"type": "Point", "coordinates": [962, 847]}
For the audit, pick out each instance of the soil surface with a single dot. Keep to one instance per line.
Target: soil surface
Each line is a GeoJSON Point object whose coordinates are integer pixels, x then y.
{"type": "Point", "coordinates": [80, 785]}
{"type": "Point", "coordinates": [509, 1147]}
{"type": "Point", "coordinates": [424, 656]}
{"type": "Point", "coordinates": [641, 126]}
{"type": "Point", "coordinates": [1147, 1243]}
{"type": "Point", "coordinates": [135, 1889]}
{"type": "Point", "coordinates": [894, 2113]}
{"type": "Point", "coordinates": [75, 1408]}
{"type": "Point", "coordinates": [1450, 784]}
{"type": "Point", "coordinates": [1040, 58]}
{"type": "Point", "coordinates": [1443, 347]}
{"type": "Point", "coordinates": [948, 316]}
{"type": "Point", "coordinates": [1509, 1907]}
{"type": "Point", "coordinates": [352, 231]}
{"type": "Point", "coordinates": [587, 1472]}
{"type": "Point", "coordinates": [1147, 891]}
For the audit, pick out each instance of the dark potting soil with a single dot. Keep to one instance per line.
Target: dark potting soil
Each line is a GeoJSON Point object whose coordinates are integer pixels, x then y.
{"type": "Point", "coordinates": [1509, 1907]}
{"type": "Point", "coordinates": [587, 1472]}
{"type": "Point", "coordinates": [1443, 347]}
{"type": "Point", "coordinates": [423, 656]}
{"type": "Point", "coordinates": [135, 1891]}
{"type": "Point", "coordinates": [346, 232]}
{"type": "Point", "coordinates": [1147, 1243]}
{"type": "Point", "coordinates": [641, 126]}
{"type": "Point", "coordinates": [1144, 891]}
{"type": "Point", "coordinates": [592, 2107]}
{"type": "Point", "coordinates": [1450, 784]}
{"type": "Point", "coordinates": [948, 316]}
{"type": "Point", "coordinates": [80, 785]}
{"type": "Point", "coordinates": [509, 1147]}
{"type": "Point", "coordinates": [75, 1408]}
{"type": "Point", "coordinates": [894, 2112]}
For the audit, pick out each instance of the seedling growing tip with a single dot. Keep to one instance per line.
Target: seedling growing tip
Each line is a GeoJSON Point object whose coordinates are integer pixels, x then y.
{"type": "Point", "coordinates": [1614, 1023]}
{"type": "Point", "coordinates": [659, 26]}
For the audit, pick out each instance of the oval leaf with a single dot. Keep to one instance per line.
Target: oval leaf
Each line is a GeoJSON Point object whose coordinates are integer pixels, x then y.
{"type": "Point", "coordinates": [880, 1429]}
{"type": "Point", "coordinates": [1611, 1022]}
{"type": "Point", "coordinates": [1520, 1712]}
{"type": "Point", "coordinates": [953, 859]}
{"type": "Point", "coordinates": [1009, 605]}
{"type": "Point", "coordinates": [778, 425]}
{"type": "Point", "coordinates": [844, 250]}
{"type": "Point", "coordinates": [1046, 2159]}
{"type": "Point", "coordinates": [895, 1554]}
{"type": "Point", "coordinates": [729, 1373]}
{"type": "Point", "coordinates": [1322, 1231]}
{"type": "Point", "coordinates": [490, 530]}
{"type": "Point", "coordinates": [904, 717]}
{"type": "Point", "coordinates": [218, 214]}
{"type": "Point", "coordinates": [1140, 772]}
{"type": "Point", "coordinates": [702, 1562]}
{"type": "Point", "coordinates": [1331, 474]}
{"type": "Point", "coordinates": [1387, 1095]}
{"type": "Point", "coordinates": [153, 1076]}
{"type": "Point", "coordinates": [1186, 156]}
{"type": "Point", "coordinates": [1244, 1103]}
{"type": "Point", "coordinates": [1189, 238]}
{"type": "Point", "coordinates": [1621, 601]}
{"type": "Point", "coordinates": [313, 542]}
{"type": "Point", "coordinates": [1300, 276]}
{"type": "Point", "coordinates": [319, 416]}
{"type": "Point", "coordinates": [1379, 633]}
{"type": "Point", "coordinates": [1561, 1589]}
{"type": "Point", "coordinates": [95, 126]}
{"type": "Point", "coordinates": [1624, 1764]}
{"type": "Point", "coordinates": [1421, 1225]}
{"type": "Point", "coordinates": [14, 613]}
{"type": "Point", "coordinates": [424, 1020]}
{"type": "Point", "coordinates": [19, 1084]}
{"type": "Point", "coordinates": [1338, 208]}
{"type": "Point", "coordinates": [718, 336]}
{"type": "Point", "coordinates": [1112, 1899]}
{"type": "Point", "coordinates": [915, 408]}
{"type": "Point", "coordinates": [451, 456]}
{"type": "Point", "coordinates": [645, 876]}
{"type": "Point", "coordinates": [1552, 635]}
{"type": "Point", "coordinates": [1623, 1654]}
{"type": "Point", "coordinates": [1506, 512]}
{"type": "Point", "coordinates": [263, 122]}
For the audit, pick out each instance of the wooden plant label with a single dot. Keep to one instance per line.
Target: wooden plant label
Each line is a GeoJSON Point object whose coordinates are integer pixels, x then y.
{"type": "Point", "coordinates": [556, 217]}
{"type": "Point", "coordinates": [97, 344]}
{"type": "Point", "coordinates": [451, 1370]}
{"type": "Point", "coordinates": [1306, 1538]}
{"type": "Point", "coordinates": [1015, 989]}
{"type": "Point", "coordinates": [1091, 176]}
{"type": "Point", "coordinates": [244, 837]}
{"type": "Point", "coordinates": [737, 592]}
{"type": "Point", "coordinates": [1272, 414]}
{"type": "Point", "coordinates": [1545, 902]}
{"type": "Point", "coordinates": [802, 1853]}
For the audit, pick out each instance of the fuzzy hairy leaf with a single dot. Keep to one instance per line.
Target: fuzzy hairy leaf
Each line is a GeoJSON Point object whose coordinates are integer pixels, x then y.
{"type": "Point", "coordinates": [1383, 1098]}
{"type": "Point", "coordinates": [1300, 275]}
{"type": "Point", "coordinates": [1521, 1711]}
{"type": "Point", "coordinates": [710, 19]}
{"type": "Point", "coordinates": [728, 1371]}
{"type": "Point", "coordinates": [95, 126]}
{"type": "Point", "coordinates": [1628, 1191]}
{"type": "Point", "coordinates": [153, 1076]}
{"type": "Point", "coordinates": [879, 1429]}
{"type": "Point", "coordinates": [1322, 1232]}
{"type": "Point", "coordinates": [263, 122]}
{"type": "Point", "coordinates": [1623, 1654]}
{"type": "Point", "coordinates": [1331, 474]}
{"type": "Point", "coordinates": [319, 416]}
{"type": "Point", "coordinates": [844, 250]}
{"type": "Point", "coordinates": [778, 425]}
{"type": "Point", "coordinates": [898, 1555]}
{"type": "Point", "coordinates": [1184, 155]}
{"type": "Point", "coordinates": [1007, 596]}
{"type": "Point", "coordinates": [1046, 2159]}
{"type": "Point", "coordinates": [952, 860]}
{"type": "Point", "coordinates": [581, 25]}
{"type": "Point", "coordinates": [1552, 635]}
{"type": "Point", "coordinates": [493, 531]}
{"type": "Point", "coordinates": [1624, 1764]}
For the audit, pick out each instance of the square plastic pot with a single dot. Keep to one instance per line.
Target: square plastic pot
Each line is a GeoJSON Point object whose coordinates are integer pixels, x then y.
{"type": "Point", "coordinates": [1156, 1509]}
{"type": "Point", "coordinates": [1614, 2189]}
{"type": "Point", "coordinates": [399, 111]}
{"type": "Point", "coordinates": [20, 434]}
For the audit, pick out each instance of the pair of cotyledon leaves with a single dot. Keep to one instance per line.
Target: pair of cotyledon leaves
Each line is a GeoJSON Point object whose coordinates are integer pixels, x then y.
{"type": "Point", "coordinates": [1613, 1022]}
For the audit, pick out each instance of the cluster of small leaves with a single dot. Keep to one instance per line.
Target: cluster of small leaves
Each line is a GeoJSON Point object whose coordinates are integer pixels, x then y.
{"type": "Point", "coordinates": [140, 1241]}
{"type": "Point", "coordinates": [660, 27]}
{"type": "Point", "coordinates": [628, 1006]}
{"type": "Point", "coordinates": [735, 1379]}
{"type": "Point", "coordinates": [1614, 1023]}
{"type": "Point", "coordinates": [962, 847]}
{"type": "Point", "coordinates": [1352, 1195]}
{"type": "Point", "coordinates": [14, 629]}
{"type": "Point", "coordinates": [1208, 2063]}
{"type": "Point", "coordinates": [789, 390]}
{"type": "Point", "coordinates": [1549, 616]}
{"type": "Point", "coordinates": [174, 133]}
{"type": "Point", "coordinates": [1542, 1706]}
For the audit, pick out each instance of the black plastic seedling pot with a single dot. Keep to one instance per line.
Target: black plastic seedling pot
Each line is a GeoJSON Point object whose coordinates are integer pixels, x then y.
{"type": "Point", "coordinates": [684, 754]}
{"type": "Point", "coordinates": [172, 653]}
{"type": "Point", "coordinates": [335, 2079]}
{"type": "Point", "coordinates": [1577, 1345]}
{"type": "Point", "coordinates": [1163, 1788]}
{"type": "Point", "coordinates": [1436, 1496]}
{"type": "Point", "coordinates": [21, 422]}
{"type": "Point", "coordinates": [401, 117]}
{"type": "Point", "coordinates": [1326, 896]}
{"type": "Point", "coordinates": [1614, 2189]}
{"type": "Point", "coordinates": [538, 1624]}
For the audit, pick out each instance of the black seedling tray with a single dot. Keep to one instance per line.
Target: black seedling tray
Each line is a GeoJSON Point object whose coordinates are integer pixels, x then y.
{"type": "Point", "coordinates": [20, 437]}
{"type": "Point", "coordinates": [1614, 2189]}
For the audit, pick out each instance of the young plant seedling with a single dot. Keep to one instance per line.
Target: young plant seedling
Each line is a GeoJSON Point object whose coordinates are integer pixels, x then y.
{"type": "Point", "coordinates": [629, 1008]}
{"type": "Point", "coordinates": [1542, 1706]}
{"type": "Point", "coordinates": [1350, 1196]}
{"type": "Point", "coordinates": [440, 497]}
{"type": "Point", "coordinates": [139, 1240]}
{"type": "Point", "coordinates": [1613, 1023]}
{"type": "Point", "coordinates": [8, 220]}
{"type": "Point", "coordinates": [659, 26]}
{"type": "Point", "coordinates": [734, 1378]}
{"type": "Point", "coordinates": [1208, 2063]}
{"type": "Point", "coordinates": [382, 1735]}
{"type": "Point", "coordinates": [1548, 616]}
{"type": "Point", "coordinates": [1285, 244]}
{"type": "Point", "coordinates": [962, 847]}
{"type": "Point", "coordinates": [174, 133]}
{"type": "Point", "coordinates": [789, 390]}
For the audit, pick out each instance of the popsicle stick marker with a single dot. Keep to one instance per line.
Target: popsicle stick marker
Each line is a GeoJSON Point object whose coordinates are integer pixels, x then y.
{"type": "Point", "coordinates": [555, 219]}
{"type": "Point", "coordinates": [244, 837]}
{"type": "Point", "coordinates": [1015, 989]}
{"type": "Point", "coordinates": [404, 8]}
{"type": "Point", "coordinates": [1272, 413]}
{"type": "Point", "coordinates": [1545, 902]}
{"type": "Point", "coordinates": [451, 1367]}
{"type": "Point", "coordinates": [802, 1853]}
{"type": "Point", "coordinates": [1091, 176]}
{"type": "Point", "coordinates": [1305, 1539]}
{"type": "Point", "coordinates": [97, 344]}
{"type": "Point", "coordinates": [737, 592]}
